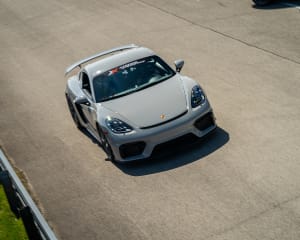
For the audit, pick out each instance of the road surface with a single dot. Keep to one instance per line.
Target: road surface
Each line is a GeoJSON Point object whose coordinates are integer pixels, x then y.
{"type": "Point", "coordinates": [243, 182]}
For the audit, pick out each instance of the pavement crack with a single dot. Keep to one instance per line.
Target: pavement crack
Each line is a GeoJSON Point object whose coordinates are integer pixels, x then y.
{"type": "Point", "coordinates": [218, 32]}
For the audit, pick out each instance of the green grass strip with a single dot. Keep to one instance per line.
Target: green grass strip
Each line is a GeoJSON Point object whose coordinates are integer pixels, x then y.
{"type": "Point", "coordinates": [11, 228]}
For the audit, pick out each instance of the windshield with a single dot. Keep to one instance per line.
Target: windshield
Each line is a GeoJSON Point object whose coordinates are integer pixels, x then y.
{"type": "Point", "coordinates": [131, 77]}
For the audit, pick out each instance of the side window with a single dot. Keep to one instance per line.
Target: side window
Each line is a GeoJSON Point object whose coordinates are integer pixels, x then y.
{"type": "Point", "coordinates": [86, 82]}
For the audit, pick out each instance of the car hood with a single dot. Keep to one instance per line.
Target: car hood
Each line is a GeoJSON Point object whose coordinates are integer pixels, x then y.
{"type": "Point", "coordinates": [151, 106]}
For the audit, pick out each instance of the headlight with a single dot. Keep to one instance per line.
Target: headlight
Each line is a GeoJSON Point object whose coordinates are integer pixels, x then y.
{"type": "Point", "coordinates": [197, 97]}
{"type": "Point", "coordinates": [118, 126]}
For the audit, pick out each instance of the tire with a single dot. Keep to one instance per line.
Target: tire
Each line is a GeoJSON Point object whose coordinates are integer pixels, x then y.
{"type": "Point", "coordinates": [73, 113]}
{"type": "Point", "coordinates": [261, 2]}
{"type": "Point", "coordinates": [105, 145]}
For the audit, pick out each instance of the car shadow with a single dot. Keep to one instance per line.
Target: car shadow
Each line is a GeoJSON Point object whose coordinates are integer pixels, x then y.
{"type": "Point", "coordinates": [176, 154]}
{"type": "Point", "coordinates": [279, 4]}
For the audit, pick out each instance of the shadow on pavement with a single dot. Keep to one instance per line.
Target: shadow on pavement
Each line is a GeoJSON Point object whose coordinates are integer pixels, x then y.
{"type": "Point", "coordinates": [279, 4]}
{"type": "Point", "coordinates": [176, 154]}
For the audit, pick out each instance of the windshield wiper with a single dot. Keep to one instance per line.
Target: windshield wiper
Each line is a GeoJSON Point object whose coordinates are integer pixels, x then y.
{"type": "Point", "coordinates": [153, 83]}
{"type": "Point", "coordinates": [116, 96]}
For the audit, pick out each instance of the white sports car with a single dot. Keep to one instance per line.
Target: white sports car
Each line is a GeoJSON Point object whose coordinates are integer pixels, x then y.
{"type": "Point", "coordinates": [131, 101]}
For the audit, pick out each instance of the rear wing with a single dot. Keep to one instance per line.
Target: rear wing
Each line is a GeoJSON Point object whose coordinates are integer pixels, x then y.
{"type": "Point", "coordinates": [117, 49]}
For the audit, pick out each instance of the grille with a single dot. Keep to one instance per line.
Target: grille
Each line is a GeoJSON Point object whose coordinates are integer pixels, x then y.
{"type": "Point", "coordinates": [132, 149]}
{"type": "Point", "coordinates": [174, 146]}
{"type": "Point", "coordinates": [205, 122]}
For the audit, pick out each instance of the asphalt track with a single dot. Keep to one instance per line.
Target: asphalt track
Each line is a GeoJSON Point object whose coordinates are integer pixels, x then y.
{"type": "Point", "coordinates": [243, 182]}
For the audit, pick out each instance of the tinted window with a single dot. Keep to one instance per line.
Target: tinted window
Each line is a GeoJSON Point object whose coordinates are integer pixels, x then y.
{"type": "Point", "coordinates": [131, 77]}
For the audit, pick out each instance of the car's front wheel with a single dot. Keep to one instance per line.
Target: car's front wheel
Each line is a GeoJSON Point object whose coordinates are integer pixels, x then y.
{"type": "Point", "coordinates": [105, 145]}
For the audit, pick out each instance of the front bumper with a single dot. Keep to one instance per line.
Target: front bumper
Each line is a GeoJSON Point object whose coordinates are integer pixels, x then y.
{"type": "Point", "coordinates": [141, 142]}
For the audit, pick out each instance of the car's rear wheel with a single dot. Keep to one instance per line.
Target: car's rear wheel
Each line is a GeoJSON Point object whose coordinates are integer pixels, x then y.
{"type": "Point", "coordinates": [105, 145]}
{"type": "Point", "coordinates": [73, 113]}
{"type": "Point", "coordinates": [261, 2]}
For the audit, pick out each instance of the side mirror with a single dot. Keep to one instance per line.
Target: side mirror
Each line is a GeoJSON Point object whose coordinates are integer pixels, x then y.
{"type": "Point", "coordinates": [82, 100]}
{"type": "Point", "coordinates": [179, 64]}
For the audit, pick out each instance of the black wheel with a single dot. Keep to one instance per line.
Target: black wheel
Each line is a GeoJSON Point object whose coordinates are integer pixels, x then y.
{"type": "Point", "coordinates": [73, 113]}
{"type": "Point", "coordinates": [105, 145]}
{"type": "Point", "coordinates": [261, 2]}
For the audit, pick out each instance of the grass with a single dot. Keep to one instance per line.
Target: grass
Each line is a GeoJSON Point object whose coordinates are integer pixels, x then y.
{"type": "Point", "coordinates": [11, 228]}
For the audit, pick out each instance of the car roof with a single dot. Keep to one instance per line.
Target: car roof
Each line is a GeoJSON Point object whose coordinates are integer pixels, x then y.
{"type": "Point", "coordinates": [107, 63]}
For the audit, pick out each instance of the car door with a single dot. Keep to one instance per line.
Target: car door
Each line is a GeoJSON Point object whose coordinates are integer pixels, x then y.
{"type": "Point", "coordinates": [88, 107]}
